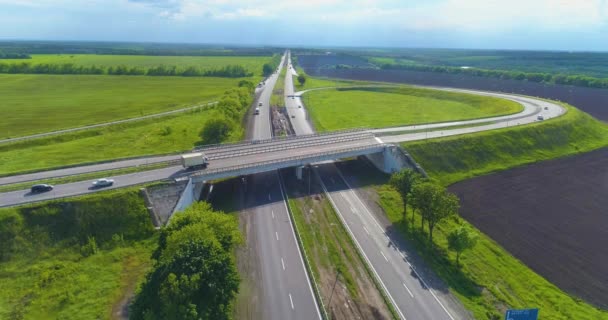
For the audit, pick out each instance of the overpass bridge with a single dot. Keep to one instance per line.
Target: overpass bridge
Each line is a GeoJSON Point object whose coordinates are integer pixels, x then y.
{"type": "Point", "coordinates": [229, 160]}
{"type": "Point", "coordinates": [236, 159]}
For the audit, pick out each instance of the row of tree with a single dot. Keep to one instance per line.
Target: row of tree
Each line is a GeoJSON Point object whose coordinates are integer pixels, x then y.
{"type": "Point", "coordinates": [434, 204]}
{"type": "Point", "coordinates": [194, 275]}
{"type": "Point", "coordinates": [270, 67]}
{"type": "Point", "coordinates": [13, 55]}
{"type": "Point", "coordinates": [229, 71]}
{"type": "Point", "coordinates": [232, 106]}
{"type": "Point", "coordinates": [574, 80]}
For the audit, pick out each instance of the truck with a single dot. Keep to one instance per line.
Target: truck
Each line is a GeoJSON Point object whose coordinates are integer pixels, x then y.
{"type": "Point", "coordinates": [194, 160]}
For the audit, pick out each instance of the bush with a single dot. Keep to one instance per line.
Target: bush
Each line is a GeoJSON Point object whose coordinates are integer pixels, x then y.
{"type": "Point", "coordinates": [215, 131]}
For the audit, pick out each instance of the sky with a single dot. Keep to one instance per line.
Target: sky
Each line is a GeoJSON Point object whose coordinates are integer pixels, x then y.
{"type": "Point", "coordinates": [573, 25]}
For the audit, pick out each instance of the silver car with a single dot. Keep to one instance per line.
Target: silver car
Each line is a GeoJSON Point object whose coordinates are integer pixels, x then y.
{"type": "Point", "coordinates": [103, 182]}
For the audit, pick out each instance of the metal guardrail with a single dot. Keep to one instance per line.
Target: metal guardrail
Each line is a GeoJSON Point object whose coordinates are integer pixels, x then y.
{"type": "Point", "coordinates": [288, 147]}
{"type": "Point", "coordinates": [275, 139]}
{"type": "Point", "coordinates": [268, 162]}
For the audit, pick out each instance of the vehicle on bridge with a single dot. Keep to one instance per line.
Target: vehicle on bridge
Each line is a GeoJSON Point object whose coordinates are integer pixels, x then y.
{"type": "Point", "coordinates": [196, 160]}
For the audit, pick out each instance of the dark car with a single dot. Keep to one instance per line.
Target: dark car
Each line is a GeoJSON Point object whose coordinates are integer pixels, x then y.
{"type": "Point", "coordinates": [41, 188]}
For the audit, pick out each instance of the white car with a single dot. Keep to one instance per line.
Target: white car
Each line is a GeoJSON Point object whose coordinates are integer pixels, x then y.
{"type": "Point", "coordinates": [103, 182]}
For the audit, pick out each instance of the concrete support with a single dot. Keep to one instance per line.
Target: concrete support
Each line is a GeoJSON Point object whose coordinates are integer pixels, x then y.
{"type": "Point", "coordinates": [191, 193]}
{"type": "Point", "coordinates": [393, 159]}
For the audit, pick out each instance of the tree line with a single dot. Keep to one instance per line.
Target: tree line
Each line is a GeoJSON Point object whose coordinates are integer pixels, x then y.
{"type": "Point", "coordinates": [194, 274]}
{"type": "Point", "coordinates": [229, 71]}
{"type": "Point", "coordinates": [270, 67]}
{"type": "Point", "coordinates": [563, 79]}
{"type": "Point", "coordinates": [14, 55]}
{"type": "Point", "coordinates": [233, 105]}
{"type": "Point", "coordinates": [434, 204]}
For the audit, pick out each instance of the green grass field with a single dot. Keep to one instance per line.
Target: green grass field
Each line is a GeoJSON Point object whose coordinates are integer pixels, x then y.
{"type": "Point", "coordinates": [312, 83]}
{"type": "Point", "coordinates": [253, 63]}
{"type": "Point", "coordinates": [41, 103]}
{"type": "Point", "coordinates": [172, 134]}
{"type": "Point", "coordinates": [48, 270]}
{"type": "Point", "coordinates": [336, 109]}
{"type": "Point", "coordinates": [453, 159]}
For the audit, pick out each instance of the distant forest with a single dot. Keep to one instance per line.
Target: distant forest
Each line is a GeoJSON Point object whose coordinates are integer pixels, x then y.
{"type": "Point", "coordinates": [230, 71]}
{"type": "Point", "coordinates": [125, 48]}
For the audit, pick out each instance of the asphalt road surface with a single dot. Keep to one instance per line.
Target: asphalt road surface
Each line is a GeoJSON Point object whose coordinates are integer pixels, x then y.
{"type": "Point", "coordinates": [285, 285]}
{"type": "Point", "coordinates": [408, 291]}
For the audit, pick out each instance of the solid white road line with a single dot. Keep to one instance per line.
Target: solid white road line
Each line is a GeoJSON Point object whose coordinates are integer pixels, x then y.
{"type": "Point", "coordinates": [385, 258]}
{"type": "Point", "coordinates": [366, 231]}
{"type": "Point", "coordinates": [408, 290]}
{"type": "Point", "coordinates": [283, 263]}
{"type": "Point", "coordinates": [293, 234]}
{"type": "Point", "coordinates": [291, 301]}
{"type": "Point", "coordinates": [272, 211]}
{"type": "Point", "coordinates": [391, 242]}
{"type": "Point", "coordinates": [277, 234]}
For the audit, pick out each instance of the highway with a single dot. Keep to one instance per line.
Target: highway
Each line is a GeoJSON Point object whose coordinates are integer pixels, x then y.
{"type": "Point", "coordinates": [407, 290]}
{"type": "Point", "coordinates": [286, 288]}
{"type": "Point", "coordinates": [284, 284]}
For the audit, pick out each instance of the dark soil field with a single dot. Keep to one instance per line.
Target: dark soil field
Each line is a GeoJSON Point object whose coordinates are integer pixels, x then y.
{"type": "Point", "coordinates": [590, 100]}
{"type": "Point", "coordinates": [552, 215]}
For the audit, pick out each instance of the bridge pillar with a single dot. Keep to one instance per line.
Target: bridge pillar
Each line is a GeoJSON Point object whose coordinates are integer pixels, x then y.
{"type": "Point", "coordinates": [392, 159]}
{"type": "Point", "coordinates": [191, 194]}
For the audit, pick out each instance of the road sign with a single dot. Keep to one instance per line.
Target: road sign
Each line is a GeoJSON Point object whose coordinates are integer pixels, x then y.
{"type": "Point", "coordinates": [524, 314]}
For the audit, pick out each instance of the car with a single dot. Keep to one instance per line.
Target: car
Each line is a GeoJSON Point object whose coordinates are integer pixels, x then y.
{"type": "Point", "coordinates": [299, 106]}
{"type": "Point", "coordinates": [293, 116]}
{"type": "Point", "coordinates": [38, 188]}
{"type": "Point", "coordinates": [540, 118]}
{"type": "Point", "coordinates": [103, 182]}
{"type": "Point", "coordinates": [256, 111]}
{"type": "Point", "coordinates": [546, 108]}
{"type": "Point", "coordinates": [260, 104]}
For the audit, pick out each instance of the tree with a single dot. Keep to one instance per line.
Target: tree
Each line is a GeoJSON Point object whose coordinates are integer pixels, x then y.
{"type": "Point", "coordinates": [267, 69]}
{"type": "Point", "coordinates": [216, 130]}
{"type": "Point", "coordinates": [195, 275]}
{"type": "Point", "coordinates": [404, 181]}
{"type": "Point", "coordinates": [301, 79]}
{"type": "Point", "coordinates": [445, 204]}
{"type": "Point", "coordinates": [421, 198]}
{"type": "Point", "coordinates": [460, 240]}
{"type": "Point", "coordinates": [434, 204]}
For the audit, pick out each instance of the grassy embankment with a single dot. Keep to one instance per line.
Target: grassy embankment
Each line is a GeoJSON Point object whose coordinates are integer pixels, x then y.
{"type": "Point", "coordinates": [312, 83]}
{"type": "Point", "coordinates": [490, 279]}
{"type": "Point", "coordinates": [73, 259]}
{"type": "Point", "coordinates": [336, 109]}
{"type": "Point", "coordinates": [252, 63]}
{"type": "Point", "coordinates": [42, 103]}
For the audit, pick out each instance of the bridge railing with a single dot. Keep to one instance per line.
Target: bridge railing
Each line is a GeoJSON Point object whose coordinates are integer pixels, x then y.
{"type": "Point", "coordinates": [287, 138]}
{"type": "Point", "coordinates": [295, 145]}
{"type": "Point", "coordinates": [312, 157]}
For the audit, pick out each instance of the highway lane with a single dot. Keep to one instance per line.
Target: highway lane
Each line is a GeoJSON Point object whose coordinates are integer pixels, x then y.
{"type": "Point", "coordinates": [285, 286]}
{"type": "Point", "coordinates": [407, 290]}
{"type": "Point", "coordinates": [83, 187]}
